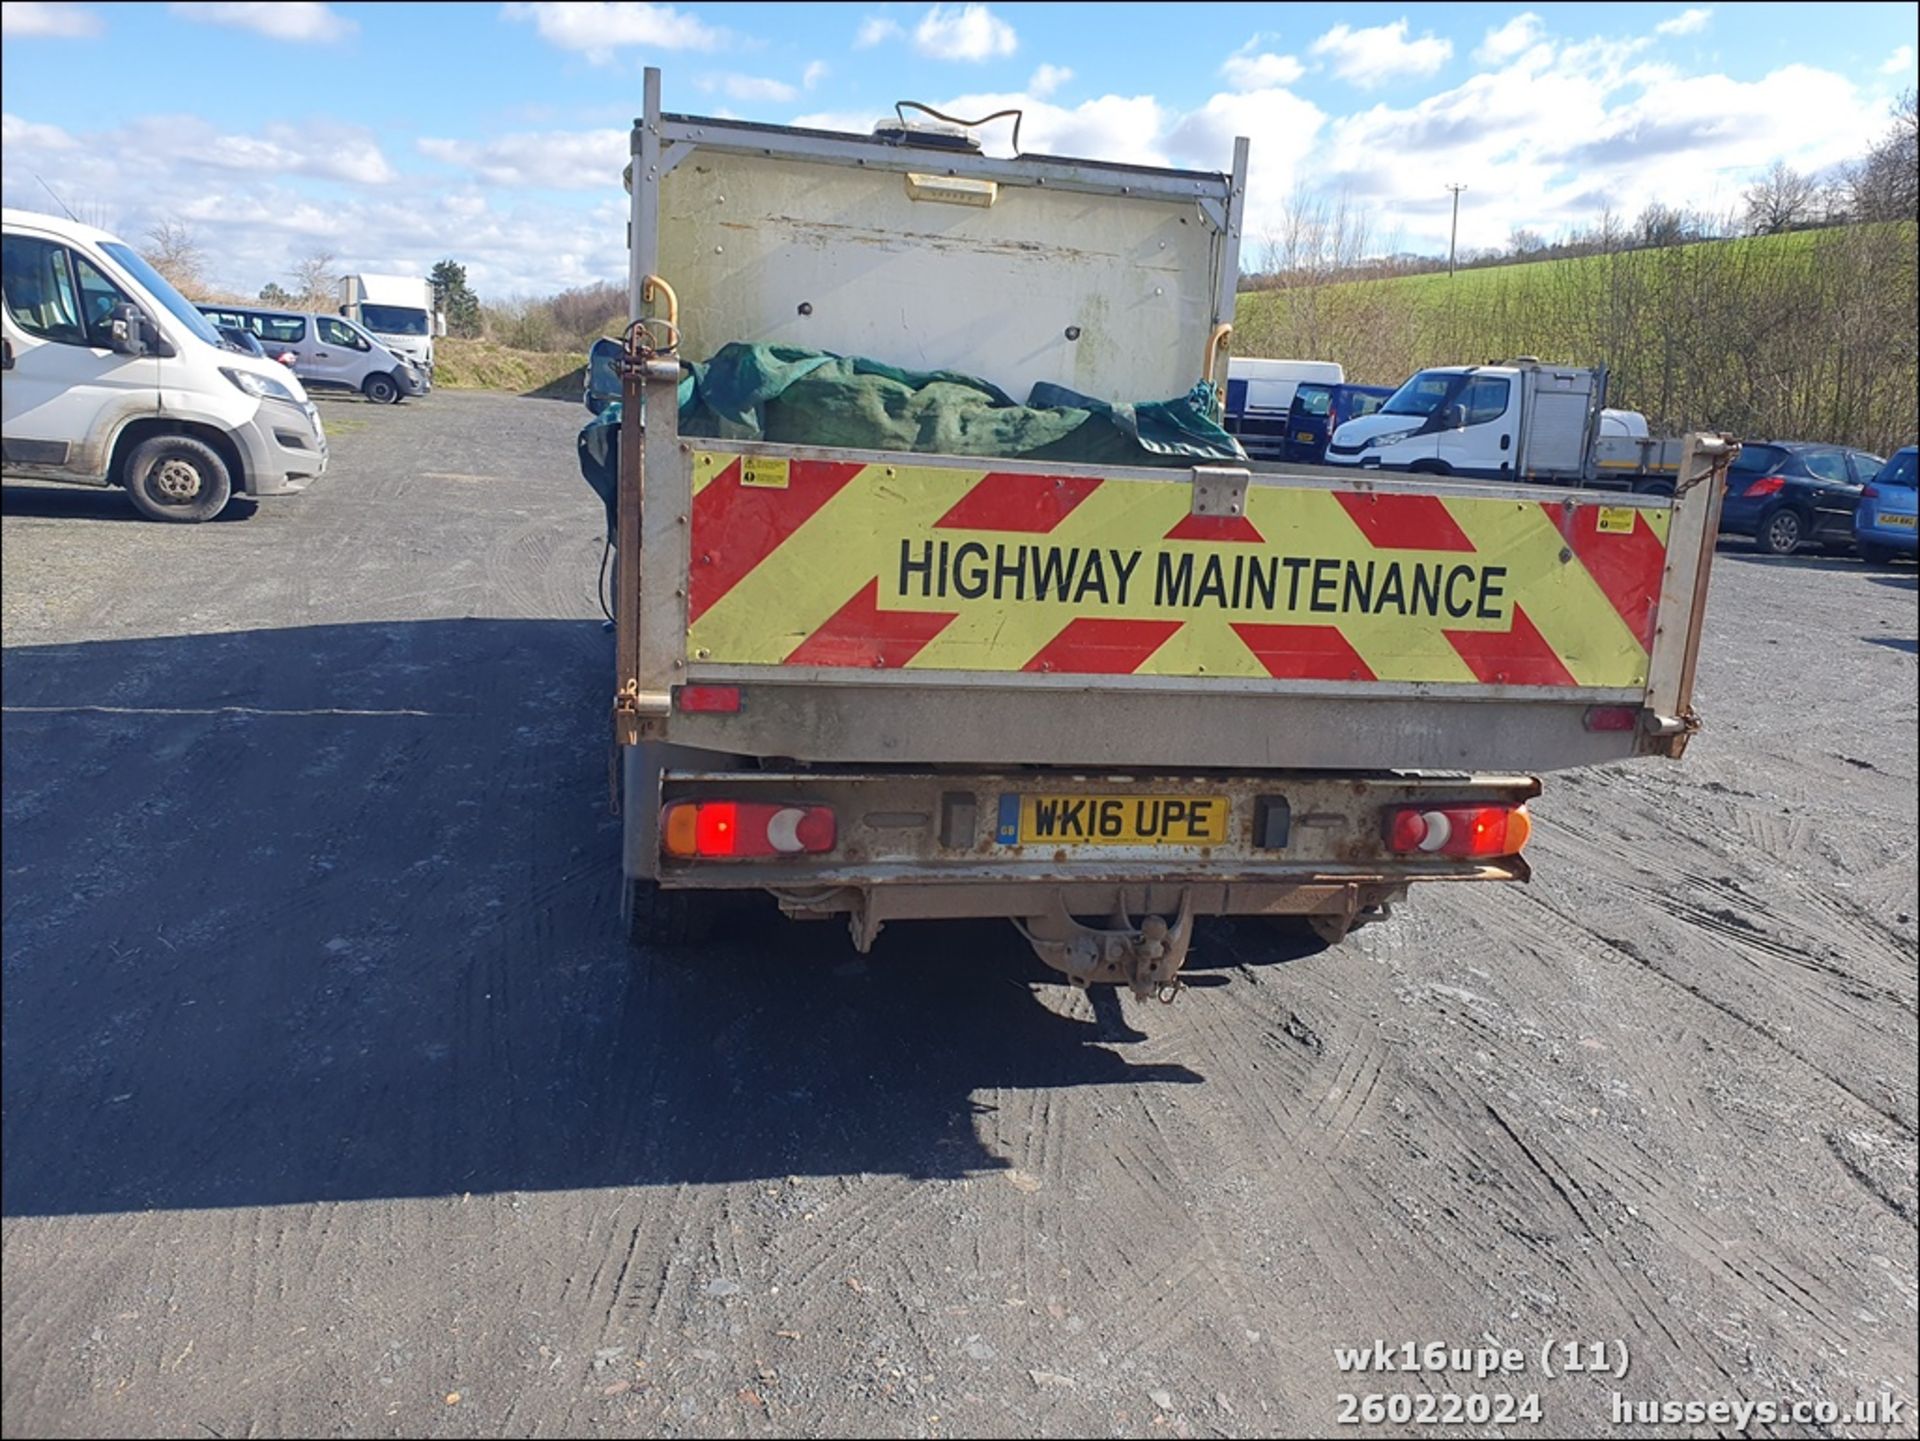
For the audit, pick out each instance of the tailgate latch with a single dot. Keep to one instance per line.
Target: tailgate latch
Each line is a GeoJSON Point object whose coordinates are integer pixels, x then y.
{"type": "Point", "coordinates": [1219, 490]}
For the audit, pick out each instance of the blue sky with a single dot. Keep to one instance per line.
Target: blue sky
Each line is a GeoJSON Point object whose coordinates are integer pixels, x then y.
{"type": "Point", "coordinates": [395, 134]}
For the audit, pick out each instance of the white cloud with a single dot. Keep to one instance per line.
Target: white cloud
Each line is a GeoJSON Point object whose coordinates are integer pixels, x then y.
{"type": "Point", "coordinates": [555, 159]}
{"type": "Point", "coordinates": [1382, 53]}
{"type": "Point", "coordinates": [1687, 22]}
{"type": "Point", "coordinates": [25, 133]}
{"type": "Point", "coordinates": [876, 30]}
{"type": "Point", "coordinates": [21, 18]}
{"type": "Point", "coordinates": [322, 152]}
{"type": "Point", "coordinates": [599, 29]}
{"type": "Point", "coordinates": [255, 223]}
{"type": "Point", "coordinates": [748, 88]}
{"type": "Point", "coordinates": [813, 75]}
{"type": "Point", "coordinates": [1567, 131]}
{"type": "Point", "coordinates": [1517, 36]}
{"type": "Point", "coordinates": [1250, 68]}
{"type": "Point", "coordinates": [303, 23]}
{"type": "Point", "coordinates": [1899, 62]}
{"type": "Point", "coordinates": [1047, 79]}
{"type": "Point", "coordinates": [964, 32]}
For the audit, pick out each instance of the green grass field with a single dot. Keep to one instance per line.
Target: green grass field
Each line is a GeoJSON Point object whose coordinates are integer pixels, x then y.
{"type": "Point", "coordinates": [483, 365]}
{"type": "Point", "coordinates": [1806, 335]}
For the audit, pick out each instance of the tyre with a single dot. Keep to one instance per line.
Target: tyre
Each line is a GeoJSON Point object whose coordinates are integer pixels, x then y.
{"type": "Point", "coordinates": [177, 478]}
{"type": "Point", "coordinates": [381, 389]}
{"type": "Point", "coordinates": [657, 918]}
{"type": "Point", "coordinates": [1430, 467]}
{"type": "Point", "coordinates": [1874, 554]}
{"type": "Point", "coordinates": [1781, 533]}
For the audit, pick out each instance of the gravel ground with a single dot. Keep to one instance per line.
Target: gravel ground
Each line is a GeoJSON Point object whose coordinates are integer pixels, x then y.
{"type": "Point", "coordinates": [332, 1105]}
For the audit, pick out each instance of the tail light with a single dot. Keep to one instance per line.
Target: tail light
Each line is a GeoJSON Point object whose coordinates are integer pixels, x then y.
{"type": "Point", "coordinates": [1612, 718]}
{"type": "Point", "coordinates": [707, 699]}
{"type": "Point", "coordinates": [1872, 492]}
{"type": "Point", "coordinates": [726, 830]}
{"type": "Point", "coordinates": [1766, 485]}
{"type": "Point", "coordinates": [1459, 830]}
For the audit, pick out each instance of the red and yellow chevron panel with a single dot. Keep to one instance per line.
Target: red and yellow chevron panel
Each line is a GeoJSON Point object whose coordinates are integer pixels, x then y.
{"type": "Point", "coordinates": [882, 567]}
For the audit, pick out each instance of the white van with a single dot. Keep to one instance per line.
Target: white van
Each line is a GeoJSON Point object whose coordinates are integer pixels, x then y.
{"type": "Point", "coordinates": [1260, 398]}
{"type": "Point", "coordinates": [112, 377]}
{"type": "Point", "coordinates": [330, 352]}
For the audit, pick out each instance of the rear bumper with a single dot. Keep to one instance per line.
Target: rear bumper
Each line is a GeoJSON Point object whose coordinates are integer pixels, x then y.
{"type": "Point", "coordinates": [1871, 528]}
{"type": "Point", "coordinates": [951, 841]}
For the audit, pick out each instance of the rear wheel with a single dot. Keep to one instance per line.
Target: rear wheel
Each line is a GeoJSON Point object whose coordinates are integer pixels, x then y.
{"type": "Point", "coordinates": [381, 389]}
{"type": "Point", "coordinates": [1782, 532]}
{"type": "Point", "coordinates": [177, 478]}
{"type": "Point", "coordinates": [1874, 554]}
{"type": "Point", "coordinates": [657, 918]}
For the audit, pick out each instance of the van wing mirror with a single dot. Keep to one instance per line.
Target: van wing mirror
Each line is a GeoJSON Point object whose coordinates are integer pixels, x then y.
{"type": "Point", "coordinates": [127, 330]}
{"type": "Point", "coordinates": [1455, 417]}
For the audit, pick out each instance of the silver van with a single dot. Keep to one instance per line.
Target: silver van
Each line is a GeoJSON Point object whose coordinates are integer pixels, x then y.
{"type": "Point", "coordinates": [330, 352]}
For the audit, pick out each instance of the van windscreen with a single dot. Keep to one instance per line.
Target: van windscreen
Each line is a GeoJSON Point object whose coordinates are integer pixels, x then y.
{"type": "Point", "coordinates": [1313, 400]}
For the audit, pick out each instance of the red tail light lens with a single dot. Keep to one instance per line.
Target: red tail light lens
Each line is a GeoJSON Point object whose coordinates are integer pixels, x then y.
{"type": "Point", "coordinates": [1766, 485]}
{"type": "Point", "coordinates": [726, 830]}
{"type": "Point", "coordinates": [1872, 492]}
{"type": "Point", "coordinates": [707, 699]}
{"type": "Point", "coordinates": [1612, 718]}
{"type": "Point", "coordinates": [1458, 830]}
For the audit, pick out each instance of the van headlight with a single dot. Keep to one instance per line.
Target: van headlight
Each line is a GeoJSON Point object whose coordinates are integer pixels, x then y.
{"type": "Point", "coordinates": [260, 387]}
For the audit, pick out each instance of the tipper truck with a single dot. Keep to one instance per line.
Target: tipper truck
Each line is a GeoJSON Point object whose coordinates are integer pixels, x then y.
{"type": "Point", "coordinates": [1097, 700]}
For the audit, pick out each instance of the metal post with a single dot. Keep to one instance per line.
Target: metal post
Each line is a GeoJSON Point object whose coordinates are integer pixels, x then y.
{"type": "Point", "coordinates": [1453, 239]}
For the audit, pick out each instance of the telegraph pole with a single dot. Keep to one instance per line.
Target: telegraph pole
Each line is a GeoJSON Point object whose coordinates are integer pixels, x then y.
{"type": "Point", "coordinates": [1453, 240]}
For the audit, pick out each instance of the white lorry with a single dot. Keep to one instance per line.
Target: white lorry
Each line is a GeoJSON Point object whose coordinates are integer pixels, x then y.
{"type": "Point", "coordinates": [1520, 421]}
{"type": "Point", "coordinates": [886, 681]}
{"type": "Point", "coordinates": [399, 310]}
{"type": "Point", "coordinates": [113, 378]}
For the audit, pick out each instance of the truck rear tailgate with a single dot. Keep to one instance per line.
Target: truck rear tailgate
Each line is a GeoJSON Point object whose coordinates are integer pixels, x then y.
{"type": "Point", "coordinates": [976, 612]}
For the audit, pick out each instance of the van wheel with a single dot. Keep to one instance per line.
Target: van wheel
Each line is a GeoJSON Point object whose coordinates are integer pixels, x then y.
{"type": "Point", "coordinates": [381, 389]}
{"type": "Point", "coordinates": [174, 477]}
{"type": "Point", "coordinates": [1430, 467]}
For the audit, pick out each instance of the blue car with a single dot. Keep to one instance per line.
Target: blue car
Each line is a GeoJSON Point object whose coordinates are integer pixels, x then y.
{"type": "Point", "coordinates": [1884, 525]}
{"type": "Point", "coordinates": [1787, 494]}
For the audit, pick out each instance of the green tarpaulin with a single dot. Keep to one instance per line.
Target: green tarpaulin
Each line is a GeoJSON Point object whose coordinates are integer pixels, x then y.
{"type": "Point", "coordinates": [792, 396]}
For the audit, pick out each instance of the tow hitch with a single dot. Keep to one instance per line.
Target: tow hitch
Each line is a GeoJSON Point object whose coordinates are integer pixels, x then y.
{"type": "Point", "coordinates": [1148, 957]}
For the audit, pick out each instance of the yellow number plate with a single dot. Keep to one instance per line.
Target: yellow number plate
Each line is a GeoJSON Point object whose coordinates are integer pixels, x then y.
{"type": "Point", "coordinates": [1905, 520]}
{"type": "Point", "coordinates": [1113, 820]}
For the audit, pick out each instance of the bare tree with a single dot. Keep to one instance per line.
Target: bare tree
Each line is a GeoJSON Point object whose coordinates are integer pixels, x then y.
{"type": "Point", "coordinates": [316, 283]}
{"type": "Point", "coordinates": [1524, 242]}
{"type": "Point", "coordinates": [173, 250]}
{"type": "Point", "coordinates": [1885, 183]}
{"type": "Point", "coordinates": [1780, 200]}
